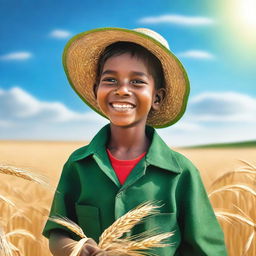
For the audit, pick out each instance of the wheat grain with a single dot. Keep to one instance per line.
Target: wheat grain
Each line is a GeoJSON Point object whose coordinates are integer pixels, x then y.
{"type": "Point", "coordinates": [150, 242]}
{"type": "Point", "coordinates": [142, 244]}
{"type": "Point", "coordinates": [125, 223]}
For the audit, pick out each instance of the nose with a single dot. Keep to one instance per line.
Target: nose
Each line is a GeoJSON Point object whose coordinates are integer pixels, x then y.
{"type": "Point", "coordinates": [123, 89]}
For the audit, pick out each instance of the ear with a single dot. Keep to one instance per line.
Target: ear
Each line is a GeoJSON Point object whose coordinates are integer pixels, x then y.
{"type": "Point", "coordinates": [95, 89]}
{"type": "Point", "coordinates": [159, 97]}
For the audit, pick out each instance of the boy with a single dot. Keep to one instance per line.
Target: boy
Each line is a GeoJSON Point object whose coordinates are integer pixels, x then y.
{"type": "Point", "coordinates": [131, 77]}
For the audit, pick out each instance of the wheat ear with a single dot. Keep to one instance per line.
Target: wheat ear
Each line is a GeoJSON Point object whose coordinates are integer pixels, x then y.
{"type": "Point", "coordinates": [26, 175]}
{"type": "Point", "coordinates": [125, 223]}
{"type": "Point", "coordinates": [150, 242]}
{"type": "Point", "coordinates": [130, 247]}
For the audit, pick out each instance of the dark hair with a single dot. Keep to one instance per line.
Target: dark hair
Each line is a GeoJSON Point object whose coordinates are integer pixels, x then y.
{"type": "Point", "coordinates": [151, 61]}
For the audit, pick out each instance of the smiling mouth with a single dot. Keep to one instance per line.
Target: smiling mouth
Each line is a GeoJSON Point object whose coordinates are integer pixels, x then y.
{"type": "Point", "coordinates": [122, 106]}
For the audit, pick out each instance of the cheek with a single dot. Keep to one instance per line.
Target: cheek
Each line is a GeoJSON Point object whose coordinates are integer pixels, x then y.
{"type": "Point", "coordinates": [102, 98]}
{"type": "Point", "coordinates": [147, 97]}
{"type": "Point", "coordinates": [101, 93]}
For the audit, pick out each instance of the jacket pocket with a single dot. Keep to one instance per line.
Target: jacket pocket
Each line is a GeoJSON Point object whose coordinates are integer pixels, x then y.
{"type": "Point", "coordinates": [88, 218]}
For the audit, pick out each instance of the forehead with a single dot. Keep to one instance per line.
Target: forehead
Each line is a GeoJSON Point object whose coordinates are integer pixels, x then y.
{"type": "Point", "coordinates": [127, 62]}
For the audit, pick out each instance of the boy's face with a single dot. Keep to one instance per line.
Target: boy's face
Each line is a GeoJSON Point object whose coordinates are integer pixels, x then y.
{"type": "Point", "coordinates": [126, 91]}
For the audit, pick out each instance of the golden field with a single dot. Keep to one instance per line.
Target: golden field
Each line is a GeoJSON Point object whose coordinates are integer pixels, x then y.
{"type": "Point", "coordinates": [233, 196]}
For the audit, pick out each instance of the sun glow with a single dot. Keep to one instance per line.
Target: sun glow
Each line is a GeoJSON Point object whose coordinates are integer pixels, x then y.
{"type": "Point", "coordinates": [244, 18]}
{"type": "Point", "coordinates": [248, 13]}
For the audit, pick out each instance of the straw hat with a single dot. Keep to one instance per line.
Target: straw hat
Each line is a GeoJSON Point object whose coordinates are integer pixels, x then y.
{"type": "Point", "coordinates": [81, 56]}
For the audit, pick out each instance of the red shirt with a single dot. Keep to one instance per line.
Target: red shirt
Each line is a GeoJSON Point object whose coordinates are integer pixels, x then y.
{"type": "Point", "coordinates": [123, 168]}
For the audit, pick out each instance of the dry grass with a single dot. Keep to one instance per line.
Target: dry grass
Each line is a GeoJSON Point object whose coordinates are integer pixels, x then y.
{"type": "Point", "coordinates": [25, 205]}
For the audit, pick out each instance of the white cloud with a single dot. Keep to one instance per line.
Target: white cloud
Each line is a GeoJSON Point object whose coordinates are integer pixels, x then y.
{"type": "Point", "coordinates": [214, 117]}
{"type": "Point", "coordinates": [208, 134]}
{"type": "Point", "coordinates": [60, 34]}
{"type": "Point", "coordinates": [4, 123]}
{"type": "Point", "coordinates": [18, 105]}
{"type": "Point", "coordinates": [22, 116]}
{"type": "Point", "coordinates": [178, 20]}
{"type": "Point", "coordinates": [20, 56]}
{"type": "Point", "coordinates": [210, 117]}
{"type": "Point", "coordinates": [196, 54]}
{"type": "Point", "coordinates": [223, 107]}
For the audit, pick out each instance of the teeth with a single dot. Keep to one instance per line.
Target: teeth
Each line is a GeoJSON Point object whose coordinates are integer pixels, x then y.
{"type": "Point", "coordinates": [122, 106]}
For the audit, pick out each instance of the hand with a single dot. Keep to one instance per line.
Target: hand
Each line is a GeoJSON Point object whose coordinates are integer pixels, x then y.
{"type": "Point", "coordinates": [91, 249]}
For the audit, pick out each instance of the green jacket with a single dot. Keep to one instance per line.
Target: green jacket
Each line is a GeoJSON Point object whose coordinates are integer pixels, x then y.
{"type": "Point", "coordinates": [90, 194]}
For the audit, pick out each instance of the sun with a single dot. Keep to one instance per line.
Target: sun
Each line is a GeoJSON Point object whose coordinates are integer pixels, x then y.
{"type": "Point", "coordinates": [244, 18]}
{"type": "Point", "coordinates": [248, 13]}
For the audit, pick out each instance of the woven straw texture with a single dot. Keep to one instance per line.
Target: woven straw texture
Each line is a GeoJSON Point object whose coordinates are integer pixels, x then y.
{"type": "Point", "coordinates": [80, 60]}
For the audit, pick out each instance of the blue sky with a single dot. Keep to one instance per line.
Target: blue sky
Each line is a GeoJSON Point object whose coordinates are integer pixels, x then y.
{"type": "Point", "coordinates": [214, 40]}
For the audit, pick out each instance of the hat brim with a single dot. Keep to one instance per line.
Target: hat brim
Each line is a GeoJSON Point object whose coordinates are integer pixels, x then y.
{"type": "Point", "coordinates": [80, 59]}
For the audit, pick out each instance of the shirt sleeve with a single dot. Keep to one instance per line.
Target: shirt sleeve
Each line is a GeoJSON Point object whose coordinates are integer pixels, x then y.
{"type": "Point", "coordinates": [63, 204]}
{"type": "Point", "coordinates": [201, 232]}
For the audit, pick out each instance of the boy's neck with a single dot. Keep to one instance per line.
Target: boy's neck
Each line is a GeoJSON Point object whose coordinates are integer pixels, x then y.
{"type": "Point", "coordinates": [127, 143]}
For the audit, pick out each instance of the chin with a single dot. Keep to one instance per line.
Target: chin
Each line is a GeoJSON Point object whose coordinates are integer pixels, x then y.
{"type": "Point", "coordinates": [121, 123]}
{"type": "Point", "coordinates": [126, 123]}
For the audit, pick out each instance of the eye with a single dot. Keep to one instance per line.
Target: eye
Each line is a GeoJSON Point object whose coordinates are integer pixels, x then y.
{"type": "Point", "coordinates": [138, 82]}
{"type": "Point", "coordinates": [109, 80]}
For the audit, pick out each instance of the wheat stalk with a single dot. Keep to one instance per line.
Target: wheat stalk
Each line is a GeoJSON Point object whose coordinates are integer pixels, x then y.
{"type": "Point", "coordinates": [249, 243]}
{"type": "Point", "coordinates": [227, 215]}
{"type": "Point", "coordinates": [249, 165]}
{"type": "Point", "coordinates": [7, 248]}
{"type": "Point", "coordinates": [8, 201]}
{"type": "Point", "coordinates": [232, 173]}
{"type": "Point", "coordinates": [26, 175]}
{"type": "Point", "coordinates": [72, 226]}
{"type": "Point", "coordinates": [233, 187]}
{"type": "Point", "coordinates": [78, 246]}
{"type": "Point", "coordinates": [20, 232]}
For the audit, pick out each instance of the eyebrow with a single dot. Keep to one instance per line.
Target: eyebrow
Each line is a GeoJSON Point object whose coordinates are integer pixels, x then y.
{"type": "Point", "coordinates": [108, 71]}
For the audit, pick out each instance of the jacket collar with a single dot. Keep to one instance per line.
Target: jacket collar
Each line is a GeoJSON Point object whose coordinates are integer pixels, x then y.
{"type": "Point", "coordinates": [159, 154]}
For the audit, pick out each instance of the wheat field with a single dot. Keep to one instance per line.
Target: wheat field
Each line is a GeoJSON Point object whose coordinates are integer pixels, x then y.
{"type": "Point", "coordinates": [24, 205]}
